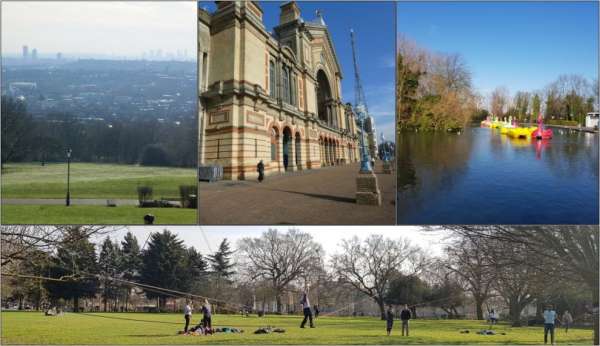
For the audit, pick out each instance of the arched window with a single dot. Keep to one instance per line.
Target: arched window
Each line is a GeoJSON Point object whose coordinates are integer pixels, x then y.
{"type": "Point", "coordinates": [272, 80]}
{"type": "Point", "coordinates": [286, 84]}
{"type": "Point", "coordinates": [293, 96]}
{"type": "Point", "coordinates": [273, 144]}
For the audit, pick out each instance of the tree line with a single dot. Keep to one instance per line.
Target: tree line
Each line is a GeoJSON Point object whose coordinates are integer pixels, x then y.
{"type": "Point", "coordinates": [110, 270]}
{"type": "Point", "coordinates": [126, 141]}
{"type": "Point", "coordinates": [566, 100]}
{"type": "Point", "coordinates": [434, 90]}
{"type": "Point", "coordinates": [487, 267]}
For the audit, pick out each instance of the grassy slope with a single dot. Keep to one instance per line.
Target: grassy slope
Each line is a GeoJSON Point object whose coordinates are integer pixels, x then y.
{"type": "Point", "coordinates": [91, 180]}
{"type": "Point", "coordinates": [83, 214]}
{"type": "Point", "coordinates": [143, 328]}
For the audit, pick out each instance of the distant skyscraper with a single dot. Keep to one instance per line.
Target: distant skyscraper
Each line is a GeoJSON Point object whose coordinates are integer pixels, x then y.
{"type": "Point", "coordinates": [25, 52]}
{"type": "Point", "coordinates": [34, 53]}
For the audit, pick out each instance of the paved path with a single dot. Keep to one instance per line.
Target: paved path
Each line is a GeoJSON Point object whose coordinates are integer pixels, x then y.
{"type": "Point", "coordinates": [314, 197]}
{"type": "Point", "coordinates": [61, 201]}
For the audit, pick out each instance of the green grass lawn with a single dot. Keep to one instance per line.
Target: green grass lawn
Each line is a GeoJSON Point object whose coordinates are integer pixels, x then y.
{"type": "Point", "coordinates": [91, 214]}
{"type": "Point", "coordinates": [146, 328]}
{"type": "Point", "coordinates": [91, 180]}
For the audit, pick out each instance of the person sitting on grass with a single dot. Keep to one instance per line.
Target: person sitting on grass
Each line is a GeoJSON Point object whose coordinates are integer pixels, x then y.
{"type": "Point", "coordinates": [567, 320]}
{"type": "Point", "coordinates": [187, 314]}
{"type": "Point", "coordinates": [405, 316]}
{"type": "Point", "coordinates": [549, 323]}
{"type": "Point", "coordinates": [389, 320]}
{"type": "Point", "coordinates": [207, 317]}
{"type": "Point", "coordinates": [306, 310]}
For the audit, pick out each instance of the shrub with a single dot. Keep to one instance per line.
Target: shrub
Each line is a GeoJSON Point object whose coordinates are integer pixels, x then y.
{"type": "Point", "coordinates": [189, 196]}
{"type": "Point", "coordinates": [144, 194]}
{"type": "Point", "coordinates": [155, 155]}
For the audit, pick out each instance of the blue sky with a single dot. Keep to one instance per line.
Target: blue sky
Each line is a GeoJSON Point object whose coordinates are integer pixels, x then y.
{"type": "Point", "coordinates": [519, 45]}
{"type": "Point", "coordinates": [374, 26]}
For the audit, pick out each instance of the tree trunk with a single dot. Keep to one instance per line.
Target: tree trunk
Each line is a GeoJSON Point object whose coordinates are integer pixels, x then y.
{"type": "Point", "coordinates": [515, 313]}
{"type": "Point", "coordinates": [76, 304]}
{"type": "Point", "coordinates": [379, 302]}
{"type": "Point", "coordinates": [104, 301]}
{"type": "Point", "coordinates": [278, 300]}
{"type": "Point", "coordinates": [479, 307]}
{"type": "Point", "coordinates": [595, 307]}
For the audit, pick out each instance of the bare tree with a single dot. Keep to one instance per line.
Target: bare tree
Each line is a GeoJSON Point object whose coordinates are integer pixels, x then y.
{"type": "Point", "coordinates": [370, 265]}
{"type": "Point", "coordinates": [467, 258]}
{"type": "Point", "coordinates": [499, 101]}
{"type": "Point", "coordinates": [571, 252]}
{"type": "Point", "coordinates": [279, 258]}
{"type": "Point", "coordinates": [19, 241]}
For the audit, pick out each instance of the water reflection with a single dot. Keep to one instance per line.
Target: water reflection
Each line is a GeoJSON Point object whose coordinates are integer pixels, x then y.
{"type": "Point", "coordinates": [481, 176]}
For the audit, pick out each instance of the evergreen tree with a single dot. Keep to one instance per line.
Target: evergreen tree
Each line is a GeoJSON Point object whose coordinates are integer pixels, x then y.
{"type": "Point", "coordinates": [221, 263]}
{"type": "Point", "coordinates": [131, 262]}
{"type": "Point", "coordinates": [108, 263]}
{"type": "Point", "coordinates": [75, 263]}
{"type": "Point", "coordinates": [164, 264]}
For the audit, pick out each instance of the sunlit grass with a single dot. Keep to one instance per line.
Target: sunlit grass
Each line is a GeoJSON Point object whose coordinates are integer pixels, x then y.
{"type": "Point", "coordinates": [147, 328]}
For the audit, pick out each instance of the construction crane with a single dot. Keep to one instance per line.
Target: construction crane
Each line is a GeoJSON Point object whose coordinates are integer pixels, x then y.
{"type": "Point", "coordinates": [361, 110]}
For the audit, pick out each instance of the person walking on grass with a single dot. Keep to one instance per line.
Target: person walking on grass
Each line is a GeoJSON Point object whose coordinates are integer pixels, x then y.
{"type": "Point", "coordinates": [260, 168]}
{"type": "Point", "coordinates": [405, 316]}
{"type": "Point", "coordinates": [549, 323]}
{"type": "Point", "coordinates": [389, 320]}
{"type": "Point", "coordinates": [207, 317]}
{"type": "Point", "coordinates": [306, 310]}
{"type": "Point", "coordinates": [493, 316]}
{"type": "Point", "coordinates": [316, 308]}
{"type": "Point", "coordinates": [187, 314]}
{"type": "Point", "coordinates": [567, 320]}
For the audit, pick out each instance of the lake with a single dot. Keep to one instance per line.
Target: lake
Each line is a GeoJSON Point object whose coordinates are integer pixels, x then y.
{"type": "Point", "coordinates": [482, 177]}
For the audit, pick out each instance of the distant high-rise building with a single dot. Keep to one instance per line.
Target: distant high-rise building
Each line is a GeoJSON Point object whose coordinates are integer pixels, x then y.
{"type": "Point", "coordinates": [58, 56]}
{"type": "Point", "coordinates": [34, 53]}
{"type": "Point", "coordinates": [25, 52]}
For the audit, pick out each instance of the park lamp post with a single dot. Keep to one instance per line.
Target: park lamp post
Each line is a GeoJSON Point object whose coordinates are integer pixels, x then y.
{"type": "Point", "coordinates": [68, 199]}
{"type": "Point", "coordinates": [365, 159]}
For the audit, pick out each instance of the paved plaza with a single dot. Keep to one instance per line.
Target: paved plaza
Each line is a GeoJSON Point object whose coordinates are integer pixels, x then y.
{"type": "Point", "coordinates": [323, 196]}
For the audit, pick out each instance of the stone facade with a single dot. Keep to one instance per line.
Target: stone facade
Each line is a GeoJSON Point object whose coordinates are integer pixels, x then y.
{"type": "Point", "coordinates": [274, 97]}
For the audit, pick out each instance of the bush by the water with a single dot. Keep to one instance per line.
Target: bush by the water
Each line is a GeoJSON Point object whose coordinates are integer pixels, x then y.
{"type": "Point", "coordinates": [562, 122]}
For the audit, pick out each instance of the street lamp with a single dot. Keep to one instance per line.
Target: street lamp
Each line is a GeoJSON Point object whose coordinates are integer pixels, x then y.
{"type": "Point", "coordinates": [365, 159]}
{"type": "Point", "coordinates": [68, 200]}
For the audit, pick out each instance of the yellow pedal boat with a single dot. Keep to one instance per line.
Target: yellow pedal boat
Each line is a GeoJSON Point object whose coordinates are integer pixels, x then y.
{"type": "Point", "coordinates": [521, 132]}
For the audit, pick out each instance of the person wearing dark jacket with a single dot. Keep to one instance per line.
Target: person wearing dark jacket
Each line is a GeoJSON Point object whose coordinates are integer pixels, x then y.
{"type": "Point", "coordinates": [306, 310]}
{"type": "Point", "coordinates": [389, 320]}
{"type": "Point", "coordinates": [405, 317]}
{"type": "Point", "coordinates": [260, 168]}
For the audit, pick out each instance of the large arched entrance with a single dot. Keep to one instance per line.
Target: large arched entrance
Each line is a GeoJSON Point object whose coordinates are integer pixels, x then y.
{"type": "Point", "coordinates": [287, 146]}
{"type": "Point", "coordinates": [298, 156]}
{"type": "Point", "coordinates": [323, 97]}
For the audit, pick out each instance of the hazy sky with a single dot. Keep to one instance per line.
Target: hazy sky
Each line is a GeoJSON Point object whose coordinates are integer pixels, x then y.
{"type": "Point", "coordinates": [99, 27]}
{"type": "Point", "coordinates": [328, 236]}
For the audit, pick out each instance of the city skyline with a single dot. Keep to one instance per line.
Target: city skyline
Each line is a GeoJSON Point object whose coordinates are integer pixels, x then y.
{"type": "Point", "coordinates": [99, 29]}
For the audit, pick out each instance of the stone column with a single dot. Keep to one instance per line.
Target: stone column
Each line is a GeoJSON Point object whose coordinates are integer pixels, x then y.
{"type": "Point", "coordinates": [292, 155]}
